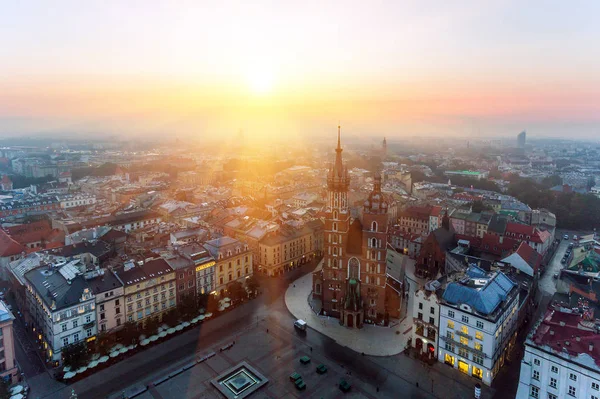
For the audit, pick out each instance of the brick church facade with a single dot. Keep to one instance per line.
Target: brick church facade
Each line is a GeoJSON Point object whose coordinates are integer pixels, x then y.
{"type": "Point", "coordinates": [352, 282]}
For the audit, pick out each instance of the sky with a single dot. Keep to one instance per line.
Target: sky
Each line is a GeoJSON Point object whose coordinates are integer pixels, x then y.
{"type": "Point", "coordinates": [273, 68]}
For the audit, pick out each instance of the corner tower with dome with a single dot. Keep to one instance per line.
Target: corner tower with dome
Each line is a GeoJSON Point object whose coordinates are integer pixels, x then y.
{"type": "Point", "coordinates": [352, 282]}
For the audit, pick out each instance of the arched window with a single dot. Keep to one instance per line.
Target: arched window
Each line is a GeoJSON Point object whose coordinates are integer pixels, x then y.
{"type": "Point", "coordinates": [334, 227]}
{"type": "Point", "coordinates": [353, 268]}
{"type": "Point", "coordinates": [335, 215]}
{"type": "Point", "coordinates": [374, 226]}
{"type": "Point", "coordinates": [374, 242]}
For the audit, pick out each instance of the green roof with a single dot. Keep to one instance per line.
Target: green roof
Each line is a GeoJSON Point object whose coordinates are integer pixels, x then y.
{"type": "Point", "coordinates": [465, 172]}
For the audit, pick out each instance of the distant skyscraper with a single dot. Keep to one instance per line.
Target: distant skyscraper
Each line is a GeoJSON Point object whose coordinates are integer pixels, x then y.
{"type": "Point", "coordinates": [384, 148]}
{"type": "Point", "coordinates": [521, 139]}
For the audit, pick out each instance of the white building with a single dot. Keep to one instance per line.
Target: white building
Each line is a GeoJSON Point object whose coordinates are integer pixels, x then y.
{"type": "Point", "coordinates": [478, 320]}
{"type": "Point", "coordinates": [108, 291]}
{"type": "Point", "coordinates": [61, 307]}
{"type": "Point", "coordinates": [426, 319]}
{"type": "Point", "coordinates": [562, 357]}
{"type": "Point", "coordinates": [68, 201]}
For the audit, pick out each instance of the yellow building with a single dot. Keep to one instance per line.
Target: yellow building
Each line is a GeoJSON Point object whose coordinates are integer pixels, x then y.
{"type": "Point", "coordinates": [234, 261]}
{"type": "Point", "coordinates": [288, 248]}
{"type": "Point", "coordinates": [149, 289]}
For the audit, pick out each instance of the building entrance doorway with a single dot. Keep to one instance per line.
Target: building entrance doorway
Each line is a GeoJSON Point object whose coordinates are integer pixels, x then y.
{"type": "Point", "coordinates": [350, 319]}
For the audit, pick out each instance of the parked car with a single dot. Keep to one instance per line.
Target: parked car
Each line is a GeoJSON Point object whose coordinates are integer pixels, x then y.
{"type": "Point", "coordinates": [555, 275]}
{"type": "Point", "coordinates": [575, 237]}
{"type": "Point", "coordinates": [566, 236]}
{"type": "Point", "coordinates": [563, 261]}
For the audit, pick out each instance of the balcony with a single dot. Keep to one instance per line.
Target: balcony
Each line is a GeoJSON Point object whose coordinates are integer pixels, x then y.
{"type": "Point", "coordinates": [90, 324]}
{"type": "Point", "coordinates": [462, 334]}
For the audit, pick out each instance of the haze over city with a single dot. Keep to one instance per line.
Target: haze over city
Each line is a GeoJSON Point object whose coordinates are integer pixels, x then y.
{"type": "Point", "coordinates": [199, 69]}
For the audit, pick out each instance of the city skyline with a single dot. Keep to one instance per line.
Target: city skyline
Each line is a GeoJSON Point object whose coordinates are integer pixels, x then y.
{"type": "Point", "coordinates": [394, 69]}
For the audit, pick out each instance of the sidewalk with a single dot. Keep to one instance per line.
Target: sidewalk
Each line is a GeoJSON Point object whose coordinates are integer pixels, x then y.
{"type": "Point", "coordinates": [370, 340]}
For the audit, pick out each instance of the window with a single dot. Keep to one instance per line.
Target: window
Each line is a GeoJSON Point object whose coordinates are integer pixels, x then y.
{"type": "Point", "coordinates": [65, 341]}
{"type": "Point", "coordinates": [572, 377]}
{"type": "Point", "coordinates": [553, 382]}
{"type": "Point", "coordinates": [463, 353]}
{"type": "Point", "coordinates": [88, 332]}
{"type": "Point", "coordinates": [431, 320]}
{"type": "Point", "coordinates": [479, 335]}
{"type": "Point", "coordinates": [75, 323]}
{"type": "Point", "coordinates": [554, 369]}
{"type": "Point", "coordinates": [465, 329]}
{"type": "Point", "coordinates": [477, 359]}
{"type": "Point", "coordinates": [432, 310]}
{"type": "Point", "coordinates": [464, 340]}
{"type": "Point", "coordinates": [64, 327]}
{"type": "Point", "coordinates": [117, 301]}
{"type": "Point", "coordinates": [552, 396]}
{"type": "Point", "coordinates": [88, 318]}
{"type": "Point", "coordinates": [420, 306]}
{"type": "Point", "coordinates": [480, 324]}
{"type": "Point", "coordinates": [420, 316]}
{"type": "Point", "coordinates": [536, 361]}
{"type": "Point", "coordinates": [190, 284]}
{"type": "Point", "coordinates": [535, 392]}
{"type": "Point", "coordinates": [465, 319]}
{"type": "Point", "coordinates": [450, 324]}
{"type": "Point", "coordinates": [536, 375]}
{"type": "Point", "coordinates": [478, 346]}
{"type": "Point", "coordinates": [75, 337]}
{"type": "Point", "coordinates": [451, 313]}
{"type": "Point", "coordinates": [118, 321]}
{"type": "Point", "coordinates": [102, 308]}
{"type": "Point", "coordinates": [572, 390]}
{"type": "Point", "coordinates": [595, 386]}
{"type": "Point", "coordinates": [102, 316]}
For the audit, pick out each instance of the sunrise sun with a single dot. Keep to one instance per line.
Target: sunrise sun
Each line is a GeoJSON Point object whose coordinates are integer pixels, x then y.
{"type": "Point", "coordinates": [260, 81]}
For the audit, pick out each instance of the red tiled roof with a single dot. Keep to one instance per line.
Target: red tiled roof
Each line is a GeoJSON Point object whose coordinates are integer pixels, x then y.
{"type": "Point", "coordinates": [573, 337]}
{"type": "Point", "coordinates": [530, 256]}
{"type": "Point", "coordinates": [6, 179]}
{"type": "Point", "coordinates": [497, 245]}
{"type": "Point", "coordinates": [517, 229]}
{"type": "Point", "coordinates": [436, 210]}
{"type": "Point", "coordinates": [34, 232]}
{"type": "Point", "coordinates": [541, 236]}
{"type": "Point", "coordinates": [8, 246]}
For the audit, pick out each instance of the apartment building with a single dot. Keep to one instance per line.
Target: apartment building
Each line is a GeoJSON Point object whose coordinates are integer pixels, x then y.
{"type": "Point", "coordinates": [108, 291]}
{"type": "Point", "coordinates": [426, 318]}
{"type": "Point", "coordinates": [8, 365]}
{"type": "Point", "coordinates": [233, 261]}
{"type": "Point", "coordinates": [562, 355]}
{"type": "Point", "coordinates": [149, 289]}
{"type": "Point", "coordinates": [61, 307]}
{"type": "Point", "coordinates": [478, 322]}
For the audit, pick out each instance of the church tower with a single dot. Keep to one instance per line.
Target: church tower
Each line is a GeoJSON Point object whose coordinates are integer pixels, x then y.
{"type": "Point", "coordinates": [384, 148]}
{"type": "Point", "coordinates": [328, 284]}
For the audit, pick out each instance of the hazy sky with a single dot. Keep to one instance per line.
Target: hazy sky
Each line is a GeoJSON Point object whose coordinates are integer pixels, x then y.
{"type": "Point", "coordinates": [269, 67]}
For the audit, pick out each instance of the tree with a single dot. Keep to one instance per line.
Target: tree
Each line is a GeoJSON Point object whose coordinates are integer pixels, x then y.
{"type": "Point", "coordinates": [76, 355]}
{"type": "Point", "coordinates": [151, 325]}
{"type": "Point", "coordinates": [187, 307]}
{"type": "Point", "coordinates": [104, 342]}
{"type": "Point", "coordinates": [4, 390]}
{"type": "Point", "coordinates": [212, 304]}
{"type": "Point", "coordinates": [236, 291]}
{"type": "Point", "coordinates": [130, 332]}
{"type": "Point", "coordinates": [551, 181]}
{"type": "Point", "coordinates": [252, 285]}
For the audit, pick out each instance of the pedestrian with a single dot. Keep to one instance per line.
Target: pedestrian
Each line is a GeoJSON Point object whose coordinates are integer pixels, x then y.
{"type": "Point", "coordinates": [267, 330]}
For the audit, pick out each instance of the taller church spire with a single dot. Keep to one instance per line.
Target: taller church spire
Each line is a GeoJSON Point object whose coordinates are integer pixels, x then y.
{"type": "Point", "coordinates": [338, 175]}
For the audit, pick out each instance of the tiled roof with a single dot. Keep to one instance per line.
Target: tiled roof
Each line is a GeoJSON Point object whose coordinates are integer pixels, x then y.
{"type": "Point", "coordinates": [8, 246]}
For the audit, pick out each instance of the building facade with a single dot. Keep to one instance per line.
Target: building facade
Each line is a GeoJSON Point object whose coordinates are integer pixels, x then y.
{"type": "Point", "coordinates": [562, 357]}
{"type": "Point", "coordinates": [108, 291]}
{"type": "Point", "coordinates": [61, 307]}
{"type": "Point", "coordinates": [426, 320]}
{"type": "Point", "coordinates": [8, 365]}
{"type": "Point", "coordinates": [478, 322]}
{"type": "Point", "coordinates": [149, 289]}
{"type": "Point", "coordinates": [233, 261]}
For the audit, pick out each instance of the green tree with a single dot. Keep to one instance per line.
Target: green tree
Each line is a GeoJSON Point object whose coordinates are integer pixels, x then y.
{"type": "Point", "coordinates": [129, 334]}
{"type": "Point", "coordinates": [4, 389]}
{"type": "Point", "coordinates": [236, 291]}
{"type": "Point", "coordinates": [104, 342]}
{"type": "Point", "coordinates": [151, 326]}
{"type": "Point", "coordinates": [76, 355]}
{"type": "Point", "coordinates": [552, 181]}
{"type": "Point", "coordinates": [252, 285]}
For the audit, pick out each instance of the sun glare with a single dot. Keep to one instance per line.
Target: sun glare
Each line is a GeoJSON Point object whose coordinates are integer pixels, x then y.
{"type": "Point", "coordinates": [260, 81]}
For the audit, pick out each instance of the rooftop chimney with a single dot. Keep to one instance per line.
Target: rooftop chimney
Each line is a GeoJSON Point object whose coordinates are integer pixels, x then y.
{"type": "Point", "coordinates": [591, 347]}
